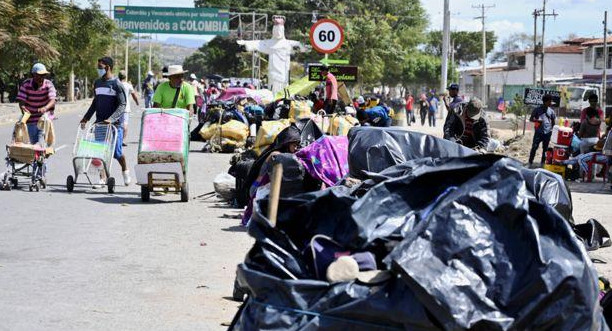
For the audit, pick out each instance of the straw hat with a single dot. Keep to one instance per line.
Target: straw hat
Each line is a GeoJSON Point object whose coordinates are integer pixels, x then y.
{"type": "Point", "coordinates": [176, 70]}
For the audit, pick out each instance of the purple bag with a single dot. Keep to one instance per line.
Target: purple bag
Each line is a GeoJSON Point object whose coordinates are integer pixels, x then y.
{"type": "Point", "coordinates": [326, 159]}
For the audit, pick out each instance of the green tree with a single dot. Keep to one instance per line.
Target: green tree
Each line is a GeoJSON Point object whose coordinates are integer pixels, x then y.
{"type": "Point", "coordinates": [221, 56]}
{"type": "Point", "coordinates": [468, 45]}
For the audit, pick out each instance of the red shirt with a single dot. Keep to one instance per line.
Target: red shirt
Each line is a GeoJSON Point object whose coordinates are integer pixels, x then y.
{"type": "Point", "coordinates": [409, 103]}
{"type": "Point", "coordinates": [583, 114]}
{"type": "Point", "coordinates": [331, 87]}
{"type": "Point", "coordinates": [34, 98]}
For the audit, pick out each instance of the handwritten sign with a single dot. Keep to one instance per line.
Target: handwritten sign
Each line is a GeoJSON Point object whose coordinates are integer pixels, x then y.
{"type": "Point", "coordinates": [533, 96]}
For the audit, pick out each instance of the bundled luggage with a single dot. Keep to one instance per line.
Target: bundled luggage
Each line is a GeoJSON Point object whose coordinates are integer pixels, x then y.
{"type": "Point", "coordinates": [163, 151]}
{"type": "Point", "coordinates": [299, 110]}
{"type": "Point", "coordinates": [267, 133]}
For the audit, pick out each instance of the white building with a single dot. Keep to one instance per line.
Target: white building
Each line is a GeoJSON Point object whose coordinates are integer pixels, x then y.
{"type": "Point", "coordinates": [561, 62]}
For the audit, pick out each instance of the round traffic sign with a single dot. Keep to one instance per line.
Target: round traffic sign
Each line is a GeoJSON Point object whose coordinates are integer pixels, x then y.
{"type": "Point", "coordinates": [326, 36]}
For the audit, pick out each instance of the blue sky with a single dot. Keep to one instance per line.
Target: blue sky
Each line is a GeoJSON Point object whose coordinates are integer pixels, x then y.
{"type": "Point", "coordinates": [581, 17]}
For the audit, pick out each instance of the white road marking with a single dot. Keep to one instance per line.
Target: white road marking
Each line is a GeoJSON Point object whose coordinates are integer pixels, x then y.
{"type": "Point", "coordinates": [60, 148]}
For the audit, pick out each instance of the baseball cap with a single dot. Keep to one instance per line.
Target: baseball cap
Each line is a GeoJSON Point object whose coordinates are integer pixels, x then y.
{"type": "Point", "coordinates": [474, 108]}
{"type": "Point", "coordinates": [39, 69]}
{"type": "Point", "coordinates": [453, 86]}
{"type": "Point", "coordinates": [193, 76]}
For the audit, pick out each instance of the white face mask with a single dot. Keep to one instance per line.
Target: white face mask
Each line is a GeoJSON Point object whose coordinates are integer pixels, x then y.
{"type": "Point", "coordinates": [101, 72]}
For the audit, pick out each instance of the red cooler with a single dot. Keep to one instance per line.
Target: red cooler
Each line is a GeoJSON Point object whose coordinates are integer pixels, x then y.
{"type": "Point", "coordinates": [562, 135]}
{"type": "Point", "coordinates": [560, 153]}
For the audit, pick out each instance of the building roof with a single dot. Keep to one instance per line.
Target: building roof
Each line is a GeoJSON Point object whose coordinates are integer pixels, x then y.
{"type": "Point", "coordinates": [598, 41]}
{"type": "Point", "coordinates": [557, 49]}
{"type": "Point", "coordinates": [578, 41]}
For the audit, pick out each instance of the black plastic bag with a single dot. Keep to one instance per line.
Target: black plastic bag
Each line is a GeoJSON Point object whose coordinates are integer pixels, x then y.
{"type": "Point", "coordinates": [593, 235]}
{"type": "Point", "coordinates": [488, 257]}
{"type": "Point", "coordinates": [473, 246]}
{"type": "Point", "coordinates": [375, 149]}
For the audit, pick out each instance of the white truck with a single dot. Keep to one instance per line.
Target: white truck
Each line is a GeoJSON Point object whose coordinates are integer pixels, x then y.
{"type": "Point", "coordinates": [579, 97]}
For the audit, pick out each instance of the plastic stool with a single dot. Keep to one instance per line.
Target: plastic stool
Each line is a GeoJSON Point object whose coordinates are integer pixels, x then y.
{"type": "Point", "coordinates": [591, 164]}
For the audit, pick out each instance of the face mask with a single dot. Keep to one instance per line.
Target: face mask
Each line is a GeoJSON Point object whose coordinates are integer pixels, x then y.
{"type": "Point", "coordinates": [101, 72]}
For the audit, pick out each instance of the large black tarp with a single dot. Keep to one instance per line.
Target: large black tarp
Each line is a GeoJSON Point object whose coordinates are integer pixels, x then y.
{"type": "Point", "coordinates": [375, 149]}
{"type": "Point", "coordinates": [473, 243]}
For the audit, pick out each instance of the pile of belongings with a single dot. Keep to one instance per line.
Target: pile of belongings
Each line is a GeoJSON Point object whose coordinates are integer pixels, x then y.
{"type": "Point", "coordinates": [423, 235]}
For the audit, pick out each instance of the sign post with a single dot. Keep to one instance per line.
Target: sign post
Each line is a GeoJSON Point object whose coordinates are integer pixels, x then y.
{"type": "Point", "coordinates": [326, 36]}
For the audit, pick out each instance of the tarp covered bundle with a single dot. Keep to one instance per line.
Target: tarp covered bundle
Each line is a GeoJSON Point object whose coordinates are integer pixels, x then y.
{"type": "Point", "coordinates": [472, 243]}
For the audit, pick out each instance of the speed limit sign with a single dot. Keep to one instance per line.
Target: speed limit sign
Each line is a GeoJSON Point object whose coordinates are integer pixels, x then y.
{"type": "Point", "coordinates": [326, 36]}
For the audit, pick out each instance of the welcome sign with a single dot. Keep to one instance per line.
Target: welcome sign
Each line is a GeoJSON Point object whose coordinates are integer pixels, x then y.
{"type": "Point", "coordinates": [202, 21]}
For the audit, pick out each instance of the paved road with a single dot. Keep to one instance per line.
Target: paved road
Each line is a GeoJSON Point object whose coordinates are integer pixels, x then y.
{"type": "Point", "coordinates": [96, 261]}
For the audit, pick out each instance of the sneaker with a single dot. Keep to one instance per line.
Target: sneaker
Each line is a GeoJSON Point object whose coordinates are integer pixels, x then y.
{"type": "Point", "coordinates": [124, 145]}
{"type": "Point", "coordinates": [126, 178]}
{"type": "Point", "coordinates": [100, 184]}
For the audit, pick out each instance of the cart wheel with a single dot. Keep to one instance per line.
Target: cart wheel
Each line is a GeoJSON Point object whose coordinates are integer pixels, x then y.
{"type": "Point", "coordinates": [15, 182]}
{"type": "Point", "coordinates": [110, 184]}
{"type": "Point", "coordinates": [145, 194]}
{"type": "Point", "coordinates": [37, 187]}
{"type": "Point", "coordinates": [185, 192]}
{"type": "Point", "coordinates": [70, 183]}
{"type": "Point", "coordinates": [6, 186]}
{"type": "Point", "coordinates": [31, 187]}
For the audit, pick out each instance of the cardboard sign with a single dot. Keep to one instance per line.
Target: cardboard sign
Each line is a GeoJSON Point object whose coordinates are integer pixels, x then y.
{"type": "Point", "coordinates": [342, 73]}
{"type": "Point", "coordinates": [533, 96]}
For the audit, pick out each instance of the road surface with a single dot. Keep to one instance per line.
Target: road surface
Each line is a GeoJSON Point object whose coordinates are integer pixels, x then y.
{"type": "Point", "coordinates": [89, 260]}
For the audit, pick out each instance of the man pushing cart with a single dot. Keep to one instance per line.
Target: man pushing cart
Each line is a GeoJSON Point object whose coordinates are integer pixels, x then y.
{"type": "Point", "coordinates": [108, 105]}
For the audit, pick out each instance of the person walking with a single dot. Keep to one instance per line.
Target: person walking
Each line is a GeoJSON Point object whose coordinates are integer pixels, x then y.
{"type": "Point", "coordinates": [423, 108]}
{"type": "Point", "coordinates": [129, 91]}
{"type": "Point", "coordinates": [148, 88]}
{"type": "Point", "coordinates": [544, 120]}
{"type": "Point", "coordinates": [37, 96]}
{"type": "Point", "coordinates": [109, 107]}
{"type": "Point", "coordinates": [433, 109]}
{"type": "Point", "coordinates": [409, 108]}
{"type": "Point", "coordinates": [331, 90]}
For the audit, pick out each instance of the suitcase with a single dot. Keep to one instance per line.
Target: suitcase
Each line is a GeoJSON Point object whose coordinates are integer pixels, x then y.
{"type": "Point", "coordinates": [562, 135]}
{"type": "Point", "coordinates": [164, 137]}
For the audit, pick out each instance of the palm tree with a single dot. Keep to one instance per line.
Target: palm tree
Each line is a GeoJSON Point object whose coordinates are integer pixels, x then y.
{"type": "Point", "coordinates": [27, 31]}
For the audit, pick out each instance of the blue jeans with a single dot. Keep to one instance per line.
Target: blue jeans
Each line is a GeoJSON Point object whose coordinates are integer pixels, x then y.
{"type": "Point", "coordinates": [431, 116]}
{"type": "Point", "coordinates": [35, 133]}
{"type": "Point", "coordinates": [148, 100]}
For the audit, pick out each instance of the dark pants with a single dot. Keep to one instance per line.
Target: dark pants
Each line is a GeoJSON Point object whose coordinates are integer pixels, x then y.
{"type": "Point", "coordinates": [423, 114]}
{"type": "Point", "coordinates": [432, 118]}
{"type": "Point", "coordinates": [538, 138]}
{"type": "Point", "coordinates": [330, 106]}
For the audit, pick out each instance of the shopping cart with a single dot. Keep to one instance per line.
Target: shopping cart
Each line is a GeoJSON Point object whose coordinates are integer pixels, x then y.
{"type": "Point", "coordinates": [93, 152]}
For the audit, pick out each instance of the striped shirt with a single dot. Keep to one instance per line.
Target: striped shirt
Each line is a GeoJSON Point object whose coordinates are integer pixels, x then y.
{"type": "Point", "coordinates": [33, 98]}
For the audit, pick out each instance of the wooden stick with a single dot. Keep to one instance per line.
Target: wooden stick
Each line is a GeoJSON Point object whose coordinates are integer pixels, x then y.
{"type": "Point", "coordinates": [275, 185]}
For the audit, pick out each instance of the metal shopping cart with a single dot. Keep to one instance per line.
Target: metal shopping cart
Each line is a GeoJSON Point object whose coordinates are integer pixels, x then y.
{"type": "Point", "coordinates": [93, 152]}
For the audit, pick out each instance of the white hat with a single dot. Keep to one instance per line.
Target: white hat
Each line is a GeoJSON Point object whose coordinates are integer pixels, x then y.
{"type": "Point", "coordinates": [39, 69]}
{"type": "Point", "coordinates": [150, 73]}
{"type": "Point", "coordinates": [193, 76]}
{"type": "Point", "coordinates": [176, 70]}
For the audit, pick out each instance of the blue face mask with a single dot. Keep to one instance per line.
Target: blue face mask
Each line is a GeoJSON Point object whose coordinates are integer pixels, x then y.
{"type": "Point", "coordinates": [101, 72]}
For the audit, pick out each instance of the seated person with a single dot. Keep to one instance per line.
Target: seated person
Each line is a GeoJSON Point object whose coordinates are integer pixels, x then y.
{"type": "Point", "coordinates": [287, 141]}
{"type": "Point", "coordinates": [375, 116]}
{"type": "Point", "coordinates": [589, 130]}
{"type": "Point", "coordinates": [467, 126]}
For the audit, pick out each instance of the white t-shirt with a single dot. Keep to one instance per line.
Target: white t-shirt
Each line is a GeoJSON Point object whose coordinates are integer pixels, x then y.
{"type": "Point", "coordinates": [129, 89]}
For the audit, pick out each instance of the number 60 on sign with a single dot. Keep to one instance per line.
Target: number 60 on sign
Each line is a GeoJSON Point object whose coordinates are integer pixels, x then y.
{"type": "Point", "coordinates": [326, 36]}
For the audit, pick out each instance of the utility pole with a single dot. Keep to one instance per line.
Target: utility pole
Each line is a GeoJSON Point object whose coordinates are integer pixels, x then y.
{"type": "Point", "coordinates": [127, 44]}
{"type": "Point", "coordinates": [535, 14]}
{"type": "Point", "coordinates": [604, 77]}
{"type": "Point", "coordinates": [482, 16]}
{"type": "Point", "coordinates": [71, 78]}
{"type": "Point", "coordinates": [139, 57]}
{"type": "Point", "coordinates": [445, 44]}
{"type": "Point", "coordinates": [554, 14]}
{"type": "Point", "coordinates": [150, 46]}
